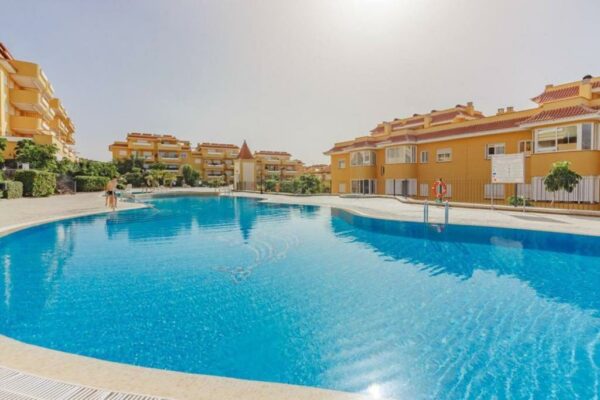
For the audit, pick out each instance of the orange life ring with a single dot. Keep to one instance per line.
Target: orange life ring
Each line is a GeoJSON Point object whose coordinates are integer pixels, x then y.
{"type": "Point", "coordinates": [440, 189]}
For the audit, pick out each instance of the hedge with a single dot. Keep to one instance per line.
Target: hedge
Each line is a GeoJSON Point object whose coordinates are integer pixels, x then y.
{"type": "Point", "coordinates": [14, 190]}
{"type": "Point", "coordinates": [36, 183]}
{"type": "Point", "coordinates": [86, 183]}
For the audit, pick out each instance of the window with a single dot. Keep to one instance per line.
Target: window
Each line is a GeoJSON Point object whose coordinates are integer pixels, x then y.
{"type": "Point", "coordinates": [342, 188]}
{"type": "Point", "coordinates": [198, 160]}
{"type": "Point", "coordinates": [364, 186]}
{"type": "Point", "coordinates": [444, 155]}
{"type": "Point", "coordinates": [122, 152]}
{"type": "Point", "coordinates": [341, 164]}
{"type": "Point", "coordinates": [525, 146]}
{"type": "Point", "coordinates": [401, 155]}
{"type": "Point", "coordinates": [492, 149]}
{"type": "Point", "coordinates": [562, 138]}
{"type": "Point", "coordinates": [424, 189]}
{"type": "Point", "coordinates": [362, 158]}
{"type": "Point", "coordinates": [424, 157]}
{"type": "Point", "coordinates": [587, 132]}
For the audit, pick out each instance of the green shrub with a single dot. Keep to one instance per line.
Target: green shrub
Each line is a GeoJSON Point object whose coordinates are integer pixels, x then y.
{"type": "Point", "coordinates": [13, 190]}
{"type": "Point", "coordinates": [36, 183]}
{"type": "Point", "coordinates": [287, 186]}
{"type": "Point", "coordinates": [87, 183]}
{"type": "Point", "coordinates": [518, 201]}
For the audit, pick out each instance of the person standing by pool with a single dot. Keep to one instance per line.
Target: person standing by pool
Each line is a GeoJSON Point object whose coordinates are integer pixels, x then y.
{"type": "Point", "coordinates": [111, 193]}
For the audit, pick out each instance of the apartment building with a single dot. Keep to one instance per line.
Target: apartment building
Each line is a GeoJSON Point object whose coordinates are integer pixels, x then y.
{"type": "Point", "coordinates": [253, 170]}
{"type": "Point", "coordinates": [276, 165]}
{"type": "Point", "coordinates": [155, 148]}
{"type": "Point", "coordinates": [212, 160]}
{"type": "Point", "coordinates": [29, 108]}
{"type": "Point", "coordinates": [217, 161]}
{"type": "Point", "coordinates": [407, 155]}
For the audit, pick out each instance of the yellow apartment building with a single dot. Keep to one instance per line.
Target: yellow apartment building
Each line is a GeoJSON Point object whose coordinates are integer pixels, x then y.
{"type": "Point", "coordinates": [276, 165]}
{"type": "Point", "coordinates": [406, 156]}
{"type": "Point", "coordinates": [29, 108]}
{"type": "Point", "coordinates": [217, 161]}
{"type": "Point", "coordinates": [211, 160]}
{"type": "Point", "coordinates": [156, 148]}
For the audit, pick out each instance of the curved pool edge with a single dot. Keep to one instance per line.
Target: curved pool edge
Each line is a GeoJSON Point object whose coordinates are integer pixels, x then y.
{"type": "Point", "coordinates": [113, 376]}
{"type": "Point", "coordinates": [91, 372]}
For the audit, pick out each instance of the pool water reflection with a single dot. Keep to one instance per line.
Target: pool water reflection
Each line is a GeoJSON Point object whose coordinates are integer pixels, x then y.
{"type": "Point", "coordinates": [312, 296]}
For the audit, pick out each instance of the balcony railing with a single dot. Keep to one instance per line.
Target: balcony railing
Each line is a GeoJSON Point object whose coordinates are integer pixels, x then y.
{"type": "Point", "coordinates": [31, 75]}
{"type": "Point", "coordinates": [23, 124]}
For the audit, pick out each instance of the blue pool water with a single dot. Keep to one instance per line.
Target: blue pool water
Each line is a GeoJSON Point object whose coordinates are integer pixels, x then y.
{"type": "Point", "coordinates": [313, 296]}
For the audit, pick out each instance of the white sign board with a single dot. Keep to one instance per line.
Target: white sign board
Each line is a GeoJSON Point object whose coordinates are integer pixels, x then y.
{"type": "Point", "coordinates": [508, 168]}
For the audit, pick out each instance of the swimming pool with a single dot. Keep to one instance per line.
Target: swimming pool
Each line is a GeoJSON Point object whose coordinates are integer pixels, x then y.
{"type": "Point", "coordinates": [312, 296]}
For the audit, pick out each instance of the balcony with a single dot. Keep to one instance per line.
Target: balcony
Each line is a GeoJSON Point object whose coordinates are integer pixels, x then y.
{"type": "Point", "coordinates": [215, 166]}
{"type": "Point", "coordinates": [58, 108]}
{"type": "Point", "coordinates": [58, 127]}
{"type": "Point", "coordinates": [169, 146]}
{"type": "Point", "coordinates": [140, 145]}
{"type": "Point", "coordinates": [22, 124]}
{"type": "Point", "coordinates": [30, 75]}
{"type": "Point", "coordinates": [32, 101]}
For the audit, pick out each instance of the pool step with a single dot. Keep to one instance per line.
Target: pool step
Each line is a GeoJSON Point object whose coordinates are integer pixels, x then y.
{"type": "Point", "coordinates": [15, 385]}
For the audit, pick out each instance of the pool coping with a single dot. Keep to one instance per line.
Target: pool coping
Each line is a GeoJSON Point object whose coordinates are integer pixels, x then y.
{"type": "Point", "coordinates": [89, 372]}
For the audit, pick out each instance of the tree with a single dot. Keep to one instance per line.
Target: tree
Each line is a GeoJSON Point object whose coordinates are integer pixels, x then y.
{"type": "Point", "coordinates": [158, 166]}
{"type": "Point", "coordinates": [127, 165]}
{"type": "Point", "coordinates": [190, 175]}
{"type": "Point", "coordinates": [307, 184]}
{"type": "Point", "coordinates": [97, 168]}
{"type": "Point", "coordinates": [561, 177]}
{"type": "Point", "coordinates": [38, 156]}
{"type": "Point", "coordinates": [2, 148]}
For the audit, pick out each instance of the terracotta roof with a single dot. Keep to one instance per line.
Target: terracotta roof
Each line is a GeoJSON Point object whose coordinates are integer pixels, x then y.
{"type": "Point", "coordinates": [557, 94]}
{"type": "Point", "coordinates": [353, 145]}
{"type": "Point", "coordinates": [560, 113]}
{"type": "Point", "coordinates": [403, 138]}
{"type": "Point", "coordinates": [245, 153]}
{"type": "Point", "coordinates": [489, 126]}
{"type": "Point", "coordinates": [444, 116]}
{"type": "Point", "coordinates": [227, 145]}
{"type": "Point", "coordinates": [274, 153]}
{"type": "Point", "coordinates": [150, 135]}
{"type": "Point", "coordinates": [4, 53]}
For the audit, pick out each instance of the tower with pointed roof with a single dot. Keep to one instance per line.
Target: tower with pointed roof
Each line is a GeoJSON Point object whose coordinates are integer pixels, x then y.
{"type": "Point", "coordinates": [245, 169]}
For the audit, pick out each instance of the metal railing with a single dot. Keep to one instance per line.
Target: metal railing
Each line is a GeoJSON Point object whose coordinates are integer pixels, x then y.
{"type": "Point", "coordinates": [585, 196]}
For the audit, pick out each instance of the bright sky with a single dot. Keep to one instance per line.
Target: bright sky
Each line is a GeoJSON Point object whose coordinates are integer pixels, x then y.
{"type": "Point", "coordinates": [294, 75]}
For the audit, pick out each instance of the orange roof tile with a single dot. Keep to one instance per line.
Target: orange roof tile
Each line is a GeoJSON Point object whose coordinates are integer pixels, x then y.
{"type": "Point", "coordinates": [245, 153]}
{"type": "Point", "coordinates": [488, 126]}
{"type": "Point", "coordinates": [560, 113]}
{"type": "Point", "coordinates": [557, 94]}
{"type": "Point", "coordinates": [227, 145]}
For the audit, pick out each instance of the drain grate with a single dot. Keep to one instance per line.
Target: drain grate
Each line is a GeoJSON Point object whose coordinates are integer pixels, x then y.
{"type": "Point", "coordinates": [15, 385]}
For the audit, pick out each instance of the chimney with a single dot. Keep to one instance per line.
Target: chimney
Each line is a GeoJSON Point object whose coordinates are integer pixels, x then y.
{"type": "Point", "coordinates": [549, 86]}
{"type": "Point", "coordinates": [500, 111]}
{"type": "Point", "coordinates": [510, 109]}
{"type": "Point", "coordinates": [387, 128]}
{"type": "Point", "coordinates": [427, 121]}
{"type": "Point", "coordinates": [470, 108]}
{"type": "Point", "coordinates": [585, 88]}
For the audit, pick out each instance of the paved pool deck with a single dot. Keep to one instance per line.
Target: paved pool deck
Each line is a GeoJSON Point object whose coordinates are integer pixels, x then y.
{"type": "Point", "coordinates": [58, 367]}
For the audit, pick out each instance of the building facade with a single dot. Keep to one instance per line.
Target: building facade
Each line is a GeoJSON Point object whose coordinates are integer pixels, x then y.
{"type": "Point", "coordinates": [29, 108]}
{"type": "Point", "coordinates": [217, 161]}
{"type": "Point", "coordinates": [277, 165]}
{"type": "Point", "coordinates": [406, 156]}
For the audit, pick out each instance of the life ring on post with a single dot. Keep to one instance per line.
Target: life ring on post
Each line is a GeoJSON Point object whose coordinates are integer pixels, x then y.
{"type": "Point", "coordinates": [440, 189]}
